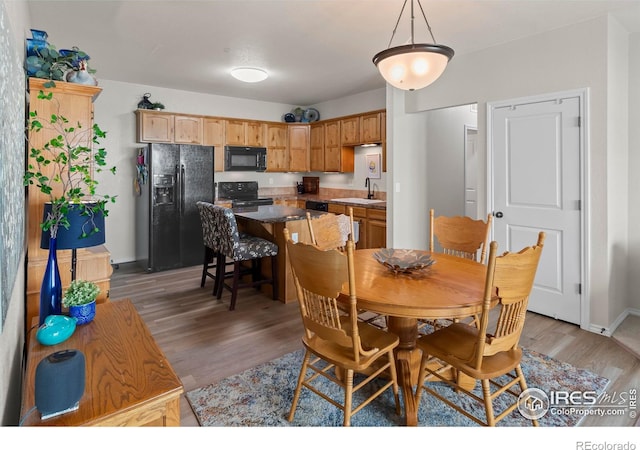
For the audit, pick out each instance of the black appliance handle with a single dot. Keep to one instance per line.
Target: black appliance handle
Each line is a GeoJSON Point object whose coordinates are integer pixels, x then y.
{"type": "Point", "coordinates": [182, 182]}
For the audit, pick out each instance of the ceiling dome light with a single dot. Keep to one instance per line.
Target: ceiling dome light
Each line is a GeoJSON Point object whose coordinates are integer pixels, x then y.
{"type": "Point", "coordinates": [412, 66]}
{"type": "Point", "coordinates": [249, 74]}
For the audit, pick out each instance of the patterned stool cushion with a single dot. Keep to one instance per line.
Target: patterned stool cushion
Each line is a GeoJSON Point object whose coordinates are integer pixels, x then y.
{"type": "Point", "coordinates": [251, 247]}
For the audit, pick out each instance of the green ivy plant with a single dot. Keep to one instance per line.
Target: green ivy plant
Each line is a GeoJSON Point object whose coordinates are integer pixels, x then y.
{"type": "Point", "coordinates": [51, 64]}
{"type": "Point", "coordinates": [72, 157]}
{"type": "Point", "coordinates": [80, 292]}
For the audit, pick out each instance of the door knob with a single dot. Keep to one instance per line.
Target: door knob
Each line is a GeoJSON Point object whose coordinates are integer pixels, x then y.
{"type": "Point", "coordinates": [498, 214]}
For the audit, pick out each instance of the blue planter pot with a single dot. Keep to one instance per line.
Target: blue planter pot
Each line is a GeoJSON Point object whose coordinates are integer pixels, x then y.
{"type": "Point", "coordinates": [51, 289]}
{"type": "Point", "coordinates": [83, 313]}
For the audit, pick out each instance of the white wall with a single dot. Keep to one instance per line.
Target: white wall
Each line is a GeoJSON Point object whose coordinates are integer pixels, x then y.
{"type": "Point", "coordinates": [114, 113]}
{"type": "Point", "coordinates": [633, 170]}
{"type": "Point", "coordinates": [569, 58]}
{"type": "Point", "coordinates": [445, 158]}
{"type": "Point", "coordinates": [617, 162]}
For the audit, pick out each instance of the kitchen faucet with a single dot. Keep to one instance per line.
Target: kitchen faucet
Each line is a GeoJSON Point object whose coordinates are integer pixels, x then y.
{"type": "Point", "coordinates": [367, 184]}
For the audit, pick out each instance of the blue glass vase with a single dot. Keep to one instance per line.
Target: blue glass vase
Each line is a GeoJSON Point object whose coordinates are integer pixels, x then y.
{"type": "Point", "coordinates": [51, 290]}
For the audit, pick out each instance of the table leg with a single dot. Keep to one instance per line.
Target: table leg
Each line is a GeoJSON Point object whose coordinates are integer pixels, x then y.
{"type": "Point", "coordinates": [407, 362]}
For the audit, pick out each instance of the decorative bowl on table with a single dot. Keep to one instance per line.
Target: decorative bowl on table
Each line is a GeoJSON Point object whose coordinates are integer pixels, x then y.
{"type": "Point", "coordinates": [404, 261]}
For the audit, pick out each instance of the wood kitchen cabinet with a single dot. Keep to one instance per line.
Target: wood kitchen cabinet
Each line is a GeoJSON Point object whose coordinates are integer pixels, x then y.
{"type": "Point", "coordinates": [243, 132]}
{"type": "Point", "coordinates": [75, 102]}
{"type": "Point", "coordinates": [299, 148]}
{"type": "Point", "coordinates": [337, 158]}
{"type": "Point", "coordinates": [187, 130]}
{"type": "Point", "coordinates": [350, 131]}
{"type": "Point", "coordinates": [213, 134]}
{"type": "Point", "coordinates": [162, 127]}
{"type": "Point", "coordinates": [316, 147]}
{"type": "Point", "coordinates": [277, 151]}
{"type": "Point", "coordinates": [154, 126]}
{"type": "Point", "coordinates": [370, 128]}
{"type": "Point", "coordinates": [376, 228]}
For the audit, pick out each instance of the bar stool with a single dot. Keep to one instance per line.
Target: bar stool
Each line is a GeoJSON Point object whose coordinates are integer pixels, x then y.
{"type": "Point", "coordinates": [239, 248]}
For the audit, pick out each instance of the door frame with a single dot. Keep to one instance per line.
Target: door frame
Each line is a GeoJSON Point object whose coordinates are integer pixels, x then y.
{"type": "Point", "coordinates": [583, 95]}
{"type": "Point", "coordinates": [467, 131]}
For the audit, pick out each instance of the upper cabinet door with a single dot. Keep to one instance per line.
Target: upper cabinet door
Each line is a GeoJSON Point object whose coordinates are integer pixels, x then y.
{"type": "Point", "coordinates": [370, 132]}
{"type": "Point", "coordinates": [316, 147]}
{"type": "Point", "coordinates": [187, 130]}
{"type": "Point", "coordinates": [299, 148]}
{"type": "Point", "coordinates": [154, 126]}
{"type": "Point", "coordinates": [350, 131]}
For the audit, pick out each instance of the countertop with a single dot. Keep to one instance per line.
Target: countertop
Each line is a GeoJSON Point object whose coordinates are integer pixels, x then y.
{"type": "Point", "coordinates": [273, 213]}
{"type": "Point", "coordinates": [321, 198]}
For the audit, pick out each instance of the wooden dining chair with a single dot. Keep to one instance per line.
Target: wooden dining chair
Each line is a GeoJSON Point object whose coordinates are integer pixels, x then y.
{"type": "Point", "coordinates": [482, 354]}
{"type": "Point", "coordinates": [337, 346]}
{"type": "Point", "coordinates": [459, 236]}
{"type": "Point", "coordinates": [330, 230]}
{"type": "Point", "coordinates": [238, 248]}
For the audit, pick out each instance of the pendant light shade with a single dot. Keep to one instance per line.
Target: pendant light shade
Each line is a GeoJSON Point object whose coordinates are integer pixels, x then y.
{"type": "Point", "coordinates": [412, 66]}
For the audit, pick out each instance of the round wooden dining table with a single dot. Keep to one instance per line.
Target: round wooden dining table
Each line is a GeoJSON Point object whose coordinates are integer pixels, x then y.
{"type": "Point", "coordinates": [450, 288]}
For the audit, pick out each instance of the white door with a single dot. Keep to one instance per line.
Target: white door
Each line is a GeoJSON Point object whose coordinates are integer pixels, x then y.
{"type": "Point", "coordinates": [535, 168]}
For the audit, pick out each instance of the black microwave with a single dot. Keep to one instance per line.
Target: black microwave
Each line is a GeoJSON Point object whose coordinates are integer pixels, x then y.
{"type": "Point", "coordinates": [253, 159]}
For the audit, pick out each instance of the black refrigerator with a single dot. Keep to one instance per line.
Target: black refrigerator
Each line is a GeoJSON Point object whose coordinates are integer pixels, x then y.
{"type": "Point", "coordinates": [168, 229]}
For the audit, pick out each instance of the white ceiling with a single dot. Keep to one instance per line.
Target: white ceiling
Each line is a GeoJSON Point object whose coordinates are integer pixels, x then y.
{"type": "Point", "coordinates": [313, 50]}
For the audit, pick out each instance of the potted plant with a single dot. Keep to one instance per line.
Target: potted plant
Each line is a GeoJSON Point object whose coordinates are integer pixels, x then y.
{"type": "Point", "coordinates": [64, 169]}
{"type": "Point", "coordinates": [157, 106]}
{"type": "Point", "coordinates": [80, 297]}
{"type": "Point", "coordinates": [52, 64]}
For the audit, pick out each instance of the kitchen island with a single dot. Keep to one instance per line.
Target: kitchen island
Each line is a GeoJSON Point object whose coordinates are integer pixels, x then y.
{"type": "Point", "coordinates": [269, 222]}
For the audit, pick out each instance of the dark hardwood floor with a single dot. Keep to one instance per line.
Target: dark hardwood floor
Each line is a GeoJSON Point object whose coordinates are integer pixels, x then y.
{"type": "Point", "coordinates": [205, 342]}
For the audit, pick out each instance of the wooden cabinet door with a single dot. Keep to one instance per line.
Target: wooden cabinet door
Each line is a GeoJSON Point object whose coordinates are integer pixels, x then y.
{"type": "Point", "coordinates": [255, 134]}
{"type": "Point", "coordinates": [316, 147]}
{"type": "Point", "coordinates": [299, 148]}
{"type": "Point", "coordinates": [376, 228]}
{"type": "Point", "coordinates": [332, 146]}
{"type": "Point", "coordinates": [213, 134]}
{"type": "Point", "coordinates": [350, 131]}
{"type": "Point", "coordinates": [187, 130]}
{"type": "Point", "coordinates": [277, 152]}
{"type": "Point", "coordinates": [154, 126]}
{"type": "Point", "coordinates": [370, 128]}
{"type": "Point", "coordinates": [235, 131]}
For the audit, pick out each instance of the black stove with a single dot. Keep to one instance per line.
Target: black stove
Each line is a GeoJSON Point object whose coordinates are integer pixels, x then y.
{"type": "Point", "coordinates": [242, 194]}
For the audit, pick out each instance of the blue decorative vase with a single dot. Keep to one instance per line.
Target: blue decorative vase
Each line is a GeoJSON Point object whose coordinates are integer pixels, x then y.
{"type": "Point", "coordinates": [83, 313]}
{"type": "Point", "coordinates": [51, 290]}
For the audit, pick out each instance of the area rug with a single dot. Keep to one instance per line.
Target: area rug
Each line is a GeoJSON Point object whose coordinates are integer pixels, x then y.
{"type": "Point", "coordinates": [261, 396]}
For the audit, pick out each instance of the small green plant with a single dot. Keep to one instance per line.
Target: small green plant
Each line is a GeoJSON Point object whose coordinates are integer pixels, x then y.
{"type": "Point", "coordinates": [157, 105]}
{"type": "Point", "coordinates": [80, 292]}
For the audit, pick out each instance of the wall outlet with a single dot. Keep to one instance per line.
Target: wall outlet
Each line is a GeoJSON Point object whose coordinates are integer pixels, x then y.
{"type": "Point", "coordinates": [397, 187]}
{"type": "Point", "coordinates": [294, 237]}
{"type": "Point", "coordinates": [270, 180]}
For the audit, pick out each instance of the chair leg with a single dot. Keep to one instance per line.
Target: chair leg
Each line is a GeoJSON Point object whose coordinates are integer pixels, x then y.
{"type": "Point", "coordinates": [274, 276]}
{"type": "Point", "coordinates": [348, 394]}
{"type": "Point", "coordinates": [296, 394]}
{"type": "Point", "coordinates": [234, 287]}
{"type": "Point", "coordinates": [205, 266]}
{"type": "Point", "coordinates": [488, 402]}
{"type": "Point", "coordinates": [220, 274]}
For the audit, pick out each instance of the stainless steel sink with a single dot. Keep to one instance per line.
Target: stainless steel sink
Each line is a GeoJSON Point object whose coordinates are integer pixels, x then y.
{"type": "Point", "coordinates": [361, 201]}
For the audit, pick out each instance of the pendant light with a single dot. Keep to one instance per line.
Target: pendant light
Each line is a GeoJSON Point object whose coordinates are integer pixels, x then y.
{"type": "Point", "coordinates": [412, 66]}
